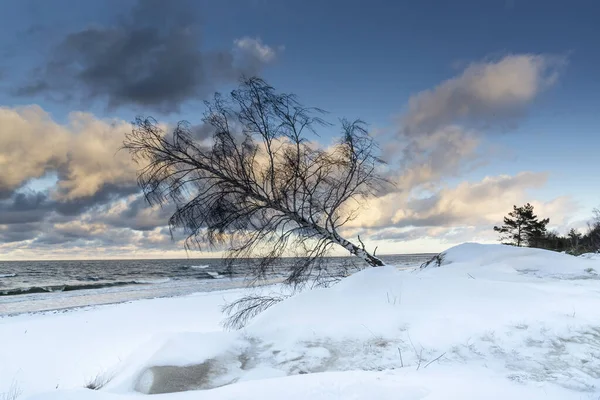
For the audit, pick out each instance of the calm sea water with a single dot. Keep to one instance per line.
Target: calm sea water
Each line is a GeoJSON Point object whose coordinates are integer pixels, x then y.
{"type": "Point", "coordinates": [27, 286]}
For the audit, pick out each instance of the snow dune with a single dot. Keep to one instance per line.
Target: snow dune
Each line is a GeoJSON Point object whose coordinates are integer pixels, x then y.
{"type": "Point", "coordinates": [490, 322]}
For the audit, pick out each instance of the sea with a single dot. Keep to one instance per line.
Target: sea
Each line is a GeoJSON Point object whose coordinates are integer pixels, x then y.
{"type": "Point", "coordinates": [42, 286]}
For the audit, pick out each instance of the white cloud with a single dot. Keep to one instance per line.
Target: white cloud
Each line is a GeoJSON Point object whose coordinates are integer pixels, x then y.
{"type": "Point", "coordinates": [30, 144]}
{"type": "Point", "coordinates": [466, 212]}
{"type": "Point", "coordinates": [84, 152]}
{"type": "Point", "coordinates": [468, 203]}
{"type": "Point", "coordinates": [255, 48]}
{"type": "Point", "coordinates": [485, 92]}
{"type": "Point", "coordinates": [441, 133]}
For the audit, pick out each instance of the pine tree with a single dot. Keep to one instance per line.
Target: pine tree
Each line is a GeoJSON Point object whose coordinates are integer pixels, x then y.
{"type": "Point", "coordinates": [574, 240]}
{"type": "Point", "coordinates": [522, 227]}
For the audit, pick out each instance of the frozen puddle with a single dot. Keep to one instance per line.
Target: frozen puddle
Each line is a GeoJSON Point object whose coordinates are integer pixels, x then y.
{"type": "Point", "coordinates": [567, 360]}
{"type": "Point", "coordinates": [255, 361]}
{"type": "Point", "coordinates": [171, 379]}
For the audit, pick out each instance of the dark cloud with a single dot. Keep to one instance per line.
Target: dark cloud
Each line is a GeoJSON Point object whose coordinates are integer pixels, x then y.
{"type": "Point", "coordinates": [52, 238]}
{"type": "Point", "coordinates": [108, 219]}
{"type": "Point", "coordinates": [150, 58]}
{"type": "Point", "coordinates": [18, 232]}
{"type": "Point", "coordinates": [139, 216]}
{"type": "Point", "coordinates": [28, 201]}
{"type": "Point", "coordinates": [202, 131]}
{"type": "Point", "coordinates": [30, 206]}
{"type": "Point", "coordinates": [86, 235]}
{"type": "Point", "coordinates": [24, 208]}
{"type": "Point", "coordinates": [79, 232]}
{"type": "Point", "coordinates": [104, 195]}
{"type": "Point", "coordinates": [6, 192]}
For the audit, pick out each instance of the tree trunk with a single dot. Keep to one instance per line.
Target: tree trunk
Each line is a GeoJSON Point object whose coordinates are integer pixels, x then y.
{"type": "Point", "coordinates": [361, 253]}
{"type": "Point", "coordinates": [336, 238]}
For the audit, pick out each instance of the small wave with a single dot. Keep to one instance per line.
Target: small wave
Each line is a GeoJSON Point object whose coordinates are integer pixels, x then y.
{"type": "Point", "coordinates": [214, 274]}
{"type": "Point", "coordinates": [84, 286]}
{"type": "Point", "coordinates": [7, 275]}
{"type": "Point", "coordinates": [151, 281]}
{"type": "Point", "coordinates": [199, 266]}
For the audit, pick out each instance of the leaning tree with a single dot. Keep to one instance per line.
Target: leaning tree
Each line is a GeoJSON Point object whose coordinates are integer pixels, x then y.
{"type": "Point", "coordinates": [260, 188]}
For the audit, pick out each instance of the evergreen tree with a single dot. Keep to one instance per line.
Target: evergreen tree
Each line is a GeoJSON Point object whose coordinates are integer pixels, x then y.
{"type": "Point", "coordinates": [574, 240]}
{"type": "Point", "coordinates": [591, 240]}
{"type": "Point", "coordinates": [522, 227]}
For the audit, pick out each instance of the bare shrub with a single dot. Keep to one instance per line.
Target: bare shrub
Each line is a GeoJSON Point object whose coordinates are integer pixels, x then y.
{"type": "Point", "coordinates": [99, 381]}
{"type": "Point", "coordinates": [242, 310]}
{"type": "Point", "coordinates": [435, 261]}
{"type": "Point", "coordinates": [14, 391]}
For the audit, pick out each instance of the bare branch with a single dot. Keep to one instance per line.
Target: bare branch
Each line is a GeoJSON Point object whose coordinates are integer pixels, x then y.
{"type": "Point", "coordinates": [434, 360]}
{"type": "Point", "coordinates": [241, 311]}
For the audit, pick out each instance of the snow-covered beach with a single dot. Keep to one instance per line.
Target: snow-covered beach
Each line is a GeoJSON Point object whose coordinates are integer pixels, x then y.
{"type": "Point", "coordinates": [492, 322]}
{"type": "Point", "coordinates": [34, 286]}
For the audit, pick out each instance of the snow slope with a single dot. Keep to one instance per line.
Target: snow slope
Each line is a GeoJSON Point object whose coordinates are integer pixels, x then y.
{"type": "Point", "coordinates": [65, 349]}
{"type": "Point", "coordinates": [491, 321]}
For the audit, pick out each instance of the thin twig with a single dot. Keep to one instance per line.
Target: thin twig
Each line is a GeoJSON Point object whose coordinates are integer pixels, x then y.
{"type": "Point", "coordinates": [432, 361]}
{"type": "Point", "coordinates": [417, 353]}
{"type": "Point", "coordinates": [411, 342]}
{"type": "Point", "coordinates": [401, 361]}
{"type": "Point", "coordinates": [361, 243]}
{"type": "Point", "coordinates": [364, 326]}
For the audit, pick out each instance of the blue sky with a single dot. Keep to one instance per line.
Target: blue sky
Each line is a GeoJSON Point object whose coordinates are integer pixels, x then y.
{"type": "Point", "coordinates": [365, 60]}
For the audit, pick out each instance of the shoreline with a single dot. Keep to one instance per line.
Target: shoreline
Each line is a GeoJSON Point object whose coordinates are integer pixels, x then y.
{"type": "Point", "coordinates": [89, 307]}
{"type": "Point", "coordinates": [62, 302]}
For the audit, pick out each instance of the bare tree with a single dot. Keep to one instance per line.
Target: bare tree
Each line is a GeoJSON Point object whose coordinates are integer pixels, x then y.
{"type": "Point", "coordinates": [262, 189]}
{"type": "Point", "coordinates": [593, 234]}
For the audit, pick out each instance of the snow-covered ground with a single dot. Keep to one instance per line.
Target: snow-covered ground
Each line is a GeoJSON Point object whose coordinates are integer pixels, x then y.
{"type": "Point", "coordinates": [491, 322]}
